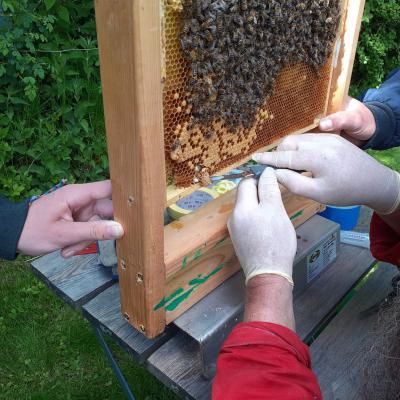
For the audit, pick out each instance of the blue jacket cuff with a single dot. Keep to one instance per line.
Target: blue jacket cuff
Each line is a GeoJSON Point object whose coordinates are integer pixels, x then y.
{"type": "Point", "coordinates": [385, 126]}
{"type": "Point", "coordinates": [12, 218]}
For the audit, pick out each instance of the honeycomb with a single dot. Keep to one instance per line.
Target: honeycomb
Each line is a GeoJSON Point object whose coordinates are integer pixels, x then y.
{"type": "Point", "coordinates": [194, 151]}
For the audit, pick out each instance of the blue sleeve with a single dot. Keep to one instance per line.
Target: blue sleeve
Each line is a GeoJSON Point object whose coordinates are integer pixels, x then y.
{"type": "Point", "coordinates": [384, 104]}
{"type": "Point", "coordinates": [12, 221]}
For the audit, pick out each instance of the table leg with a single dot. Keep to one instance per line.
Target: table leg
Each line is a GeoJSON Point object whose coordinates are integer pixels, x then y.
{"type": "Point", "coordinates": [114, 364]}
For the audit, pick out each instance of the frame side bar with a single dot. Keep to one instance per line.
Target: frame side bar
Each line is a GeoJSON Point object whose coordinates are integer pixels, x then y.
{"type": "Point", "coordinates": [354, 10]}
{"type": "Point", "coordinates": [129, 35]}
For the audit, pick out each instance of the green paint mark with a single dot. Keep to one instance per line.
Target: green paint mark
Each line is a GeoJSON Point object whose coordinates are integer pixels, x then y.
{"type": "Point", "coordinates": [175, 303]}
{"type": "Point", "coordinates": [165, 300]}
{"type": "Point", "coordinates": [184, 262]}
{"type": "Point", "coordinates": [172, 302]}
{"type": "Point", "coordinates": [299, 214]}
{"type": "Point", "coordinates": [200, 280]}
{"type": "Point", "coordinates": [197, 255]}
{"type": "Point", "coordinates": [220, 241]}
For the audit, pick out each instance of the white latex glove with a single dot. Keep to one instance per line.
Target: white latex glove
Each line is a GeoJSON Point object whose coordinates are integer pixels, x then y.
{"type": "Point", "coordinates": [343, 175]}
{"type": "Point", "coordinates": [262, 234]}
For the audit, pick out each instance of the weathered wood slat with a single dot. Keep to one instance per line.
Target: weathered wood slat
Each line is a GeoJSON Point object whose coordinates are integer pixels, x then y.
{"type": "Point", "coordinates": [334, 351]}
{"type": "Point", "coordinates": [76, 280]}
{"type": "Point", "coordinates": [105, 311]}
{"type": "Point", "coordinates": [176, 363]}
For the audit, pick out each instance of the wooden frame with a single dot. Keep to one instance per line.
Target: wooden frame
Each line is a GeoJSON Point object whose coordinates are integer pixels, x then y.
{"type": "Point", "coordinates": [164, 271]}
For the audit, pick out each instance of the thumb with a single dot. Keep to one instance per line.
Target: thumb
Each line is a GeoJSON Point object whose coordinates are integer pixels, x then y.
{"type": "Point", "coordinates": [298, 184]}
{"type": "Point", "coordinates": [76, 232]}
{"type": "Point", "coordinates": [268, 188]}
{"type": "Point", "coordinates": [342, 121]}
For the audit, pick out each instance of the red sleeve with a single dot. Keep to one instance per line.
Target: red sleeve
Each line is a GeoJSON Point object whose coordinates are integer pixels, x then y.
{"type": "Point", "coordinates": [261, 360]}
{"type": "Point", "coordinates": [385, 242]}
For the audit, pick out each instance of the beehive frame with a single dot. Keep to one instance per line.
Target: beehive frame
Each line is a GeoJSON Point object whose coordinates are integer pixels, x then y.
{"type": "Point", "coordinates": [165, 270]}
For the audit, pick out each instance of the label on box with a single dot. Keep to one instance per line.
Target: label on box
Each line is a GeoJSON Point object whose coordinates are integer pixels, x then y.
{"type": "Point", "coordinates": [321, 257]}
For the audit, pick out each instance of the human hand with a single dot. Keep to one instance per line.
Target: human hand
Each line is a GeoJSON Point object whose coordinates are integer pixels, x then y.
{"type": "Point", "coordinates": [69, 219]}
{"type": "Point", "coordinates": [343, 174]}
{"type": "Point", "coordinates": [356, 123]}
{"type": "Point", "coordinates": [262, 234]}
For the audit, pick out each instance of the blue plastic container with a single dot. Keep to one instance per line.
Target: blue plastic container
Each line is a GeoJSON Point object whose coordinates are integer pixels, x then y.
{"type": "Point", "coordinates": [346, 217]}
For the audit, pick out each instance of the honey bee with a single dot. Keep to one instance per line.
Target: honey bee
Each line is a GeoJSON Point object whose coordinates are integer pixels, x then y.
{"type": "Point", "coordinates": [236, 49]}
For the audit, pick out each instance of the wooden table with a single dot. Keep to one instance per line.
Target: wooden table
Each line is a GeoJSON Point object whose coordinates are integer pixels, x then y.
{"type": "Point", "coordinates": [173, 357]}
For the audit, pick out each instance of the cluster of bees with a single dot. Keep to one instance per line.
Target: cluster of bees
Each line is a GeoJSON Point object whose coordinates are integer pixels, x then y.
{"type": "Point", "coordinates": [237, 48]}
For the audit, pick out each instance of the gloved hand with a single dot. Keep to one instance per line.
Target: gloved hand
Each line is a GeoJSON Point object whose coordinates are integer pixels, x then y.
{"type": "Point", "coordinates": [356, 122]}
{"type": "Point", "coordinates": [69, 219]}
{"type": "Point", "coordinates": [262, 234]}
{"type": "Point", "coordinates": [343, 175]}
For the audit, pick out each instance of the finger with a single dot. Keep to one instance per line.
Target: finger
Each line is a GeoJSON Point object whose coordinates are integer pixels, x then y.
{"type": "Point", "coordinates": [298, 160]}
{"type": "Point", "coordinates": [78, 196]}
{"type": "Point", "coordinates": [300, 142]}
{"type": "Point", "coordinates": [297, 183]}
{"type": "Point", "coordinates": [74, 249]}
{"type": "Point", "coordinates": [246, 196]}
{"type": "Point", "coordinates": [342, 121]}
{"type": "Point", "coordinates": [70, 233]}
{"type": "Point", "coordinates": [289, 143]}
{"type": "Point", "coordinates": [102, 207]}
{"type": "Point", "coordinates": [268, 188]}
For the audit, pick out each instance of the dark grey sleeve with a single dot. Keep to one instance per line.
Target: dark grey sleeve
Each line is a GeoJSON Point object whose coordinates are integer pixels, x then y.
{"type": "Point", "coordinates": [384, 104]}
{"type": "Point", "coordinates": [12, 220]}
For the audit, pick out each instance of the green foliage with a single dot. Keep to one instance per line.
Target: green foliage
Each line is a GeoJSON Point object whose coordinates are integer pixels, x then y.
{"type": "Point", "coordinates": [378, 51]}
{"type": "Point", "coordinates": [51, 118]}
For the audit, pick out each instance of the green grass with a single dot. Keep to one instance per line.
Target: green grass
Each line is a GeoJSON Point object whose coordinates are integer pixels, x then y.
{"type": "Point", "coordinates": [390, 158]}
{"type": "Point", "coordinates": [48, 351]}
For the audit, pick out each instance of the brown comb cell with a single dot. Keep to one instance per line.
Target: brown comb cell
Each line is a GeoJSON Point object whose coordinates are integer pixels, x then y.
{"type": "Point", "coordinates": [213, 124]}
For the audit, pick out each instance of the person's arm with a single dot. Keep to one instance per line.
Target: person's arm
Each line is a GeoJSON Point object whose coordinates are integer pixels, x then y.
{"type": "Point", "coordinates": [342, 174]}
{"type": "Point", "coordinates": [373, 123]}
{"type": "Point", "coordinates": [269, 298]}
{"type": "Point", "coordinates": [393, 221]}
{"type": "Point", "coordinates": [69, 219]}
{"type": "Point", "coordinates": [385, 242]}
{"type": "Point", "coordinates": [12, 220]}
{"type": "Point", "coordinates": [384, 103]}
{"type": "Point", "coordinates": [263, 358]}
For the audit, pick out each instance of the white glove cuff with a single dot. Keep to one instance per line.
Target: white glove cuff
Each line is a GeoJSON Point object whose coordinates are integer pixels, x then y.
{"type": "Point", "coordinates": [271, 272]}
{"type": "Point", "coordinates": [397, 202]}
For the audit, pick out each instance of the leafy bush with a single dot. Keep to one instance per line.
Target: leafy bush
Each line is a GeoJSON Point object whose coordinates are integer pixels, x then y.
{"type": "Point", "coordinates": [378, 50]}
{"type": "Point", "coordinates": [51, 117]}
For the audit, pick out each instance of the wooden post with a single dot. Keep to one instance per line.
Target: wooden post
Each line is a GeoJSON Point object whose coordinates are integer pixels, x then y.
{"type": "Point", "coordinates": [129, 35]}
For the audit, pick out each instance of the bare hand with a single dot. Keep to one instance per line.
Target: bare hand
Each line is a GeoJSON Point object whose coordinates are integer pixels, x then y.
{"type": "Point", "coordinates": [356, 123]}
{"type": "Point", "coordinates": [69, 219]}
